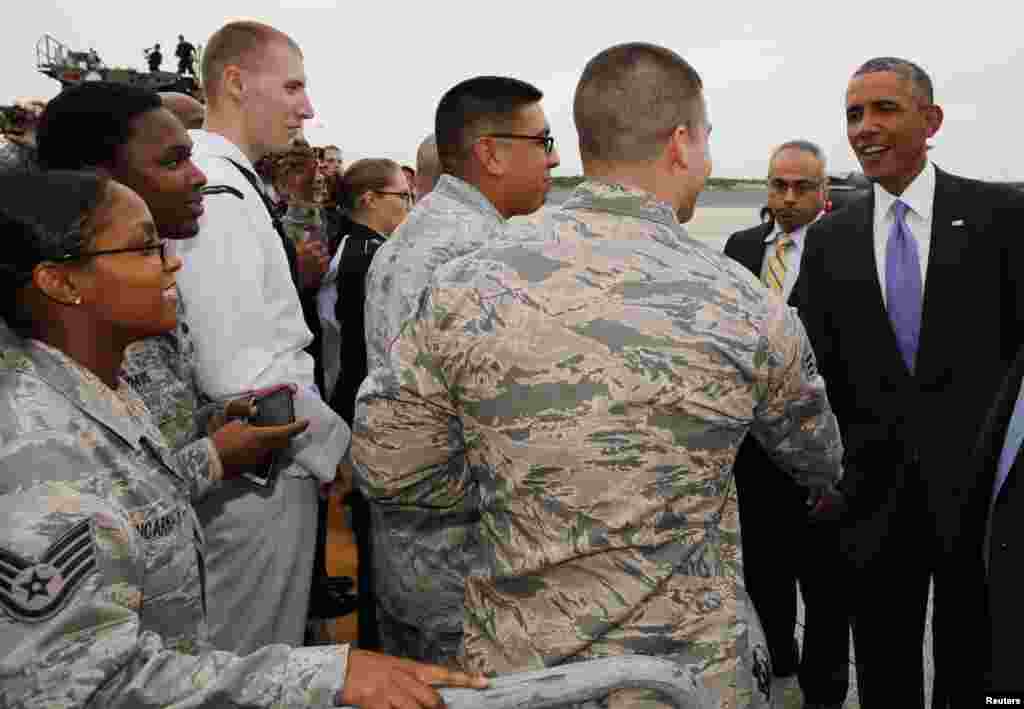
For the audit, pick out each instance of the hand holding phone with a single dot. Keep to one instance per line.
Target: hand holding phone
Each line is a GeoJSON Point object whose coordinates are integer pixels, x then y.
{"type": "Point", "coordinates": [251, 448]}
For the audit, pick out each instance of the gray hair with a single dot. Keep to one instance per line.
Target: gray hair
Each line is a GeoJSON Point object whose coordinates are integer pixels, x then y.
{"type": "Point", "coordinates": [804, 146]}
{"type": "Point", "coordinates": [910, 71]}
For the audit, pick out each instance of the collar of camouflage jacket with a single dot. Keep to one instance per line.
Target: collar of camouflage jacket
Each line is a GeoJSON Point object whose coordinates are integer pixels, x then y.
{"type": "Point", "coordinates": [466, 194]}
{"type": "Point", "coordinates": [624, 201]}
{"type": "Point", "coordinates": [121, 411]}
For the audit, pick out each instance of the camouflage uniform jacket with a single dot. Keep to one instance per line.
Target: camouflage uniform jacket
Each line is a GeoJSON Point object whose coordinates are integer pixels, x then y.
{"type": "Point", "coordinates": [101, 559]}
{"type": "Point", "coordinates": [453, 220]}
{"type": "Point", "coordinates": [161, 370]}
{"type": "Point", "coordinates": [421, 556]}
{"type": "Point", "coordinates": [597, 385]}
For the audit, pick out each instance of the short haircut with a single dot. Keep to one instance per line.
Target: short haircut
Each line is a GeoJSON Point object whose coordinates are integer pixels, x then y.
{"type": "Point", "coordinates": [238, 43]}
{"type": "Point", "coordinates": [804, 146]}
{"type": "Point", "coordinates": [630, 99]}
{"type": "Point", "coordinates": [331, 147]}
{"type": "Point", "coordinates": [361, 177]}
{"type": "Point", "coordinates": [85, 125]}
{"type": "Point", "coordinates": [910, 71]}
{"type": "Point", "coordinates": [473, 107]}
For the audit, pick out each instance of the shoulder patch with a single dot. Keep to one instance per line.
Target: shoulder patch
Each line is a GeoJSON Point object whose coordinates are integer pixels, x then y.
{"type": "Point", "coordinates": [32, 591]}
{"type": "Point", "coordinates": [810, 364]}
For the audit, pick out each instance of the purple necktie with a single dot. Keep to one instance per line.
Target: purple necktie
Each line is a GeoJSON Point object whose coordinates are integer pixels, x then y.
{"type": "Point", "coordinates": [903, 285]}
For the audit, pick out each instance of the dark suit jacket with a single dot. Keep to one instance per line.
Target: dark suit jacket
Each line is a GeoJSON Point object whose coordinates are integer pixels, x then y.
{"type": "Point", "coordinates": [748, 247]}
{"type": "Point", "coordinates": [1006, 555]}
{"type": "Point", "coordinates": [359, 248]}
{"type": "Point", "coordinates": [908, 436]}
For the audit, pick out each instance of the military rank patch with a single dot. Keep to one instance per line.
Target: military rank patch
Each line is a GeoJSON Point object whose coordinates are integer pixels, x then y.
{"type": "Point", "coordinates": [810, 364]}
{"type": "Point", "coordinates": [31, 590]}
{"type": "Point", "coordinates": [762, 671]}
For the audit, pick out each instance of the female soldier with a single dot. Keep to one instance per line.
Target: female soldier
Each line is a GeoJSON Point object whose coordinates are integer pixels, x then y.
{"type": "Point", "coordinates": [125, 132]}
{"type": "Point", "coordinates": [101, 579]}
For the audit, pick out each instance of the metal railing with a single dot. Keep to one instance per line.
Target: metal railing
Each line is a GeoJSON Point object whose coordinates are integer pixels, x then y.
{"type": "Point", "coordinates": [567, 685]}
{"type": "Point", "coordinates": [50, 52]}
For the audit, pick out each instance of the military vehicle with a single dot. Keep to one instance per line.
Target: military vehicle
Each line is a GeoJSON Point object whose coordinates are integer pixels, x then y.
{"type": "Point", "coordinates": [55, 60]}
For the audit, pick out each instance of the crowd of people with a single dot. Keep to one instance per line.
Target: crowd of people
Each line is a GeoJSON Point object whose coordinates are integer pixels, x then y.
{"type": "Point", "coordinates": [554, 430]}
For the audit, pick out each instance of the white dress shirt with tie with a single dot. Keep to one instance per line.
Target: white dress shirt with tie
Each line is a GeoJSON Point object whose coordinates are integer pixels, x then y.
{"type": "Point", "coordinates": [793, 255]}
{"type": "Point", "coordinates": [919, 198]}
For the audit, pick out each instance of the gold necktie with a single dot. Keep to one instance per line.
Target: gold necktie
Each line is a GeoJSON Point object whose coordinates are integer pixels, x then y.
{"type": "Point", "coordinates": [775, 274]}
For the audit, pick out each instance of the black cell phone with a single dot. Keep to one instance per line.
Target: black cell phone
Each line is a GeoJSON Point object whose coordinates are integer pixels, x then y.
{"type": "Point", "coordinates": [274, 407]}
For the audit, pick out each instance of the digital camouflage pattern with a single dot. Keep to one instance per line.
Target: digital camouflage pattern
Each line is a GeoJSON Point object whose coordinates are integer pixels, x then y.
{"type": "Point", "coordinates": [586, 395]}
{"type": "Point", "coordinates": [452, 220]}
{"type": "Point", "coordinates": [161, 370]}
{"type": "Point", "coordinates": [422, 556]}
{"type": "Point", "coordinates": [101, 559]}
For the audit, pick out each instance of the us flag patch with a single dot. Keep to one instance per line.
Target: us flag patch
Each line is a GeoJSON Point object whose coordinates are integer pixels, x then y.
{"type": "Point", "coordinates": [31, 590]}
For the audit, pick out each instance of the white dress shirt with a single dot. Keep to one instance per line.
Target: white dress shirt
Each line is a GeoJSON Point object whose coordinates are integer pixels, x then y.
{"type": "Point", "coordinates": [793, 256]}
{"type": "Point", "coordinates": [920, 198]}
{"type": "Point", "coordinates": [244, 311]}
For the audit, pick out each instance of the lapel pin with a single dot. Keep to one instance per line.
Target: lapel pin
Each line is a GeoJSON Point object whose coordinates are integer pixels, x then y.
{"type": "Point", "coordinates": [958, 222]}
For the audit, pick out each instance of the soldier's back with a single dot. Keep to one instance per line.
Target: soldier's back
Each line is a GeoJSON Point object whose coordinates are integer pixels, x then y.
{"type": "Point", "coordinates": [606, 377]}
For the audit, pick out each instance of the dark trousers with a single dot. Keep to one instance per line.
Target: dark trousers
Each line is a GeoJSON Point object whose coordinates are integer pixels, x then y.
{"type": "Point", "coordinates": [892, 552]}
{"type": "Point", "coordinates": [782, 549]}
{"type": "Point", "coordinates": [888, 599]}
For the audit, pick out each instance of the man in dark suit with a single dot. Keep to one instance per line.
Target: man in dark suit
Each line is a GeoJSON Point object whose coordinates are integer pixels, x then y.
{"type": "Point", "coordinates": [913, 303]}
{"type": "Point", "coordinates": [1000, 468]}
{"type": "Point", "coordinates": [772, 507]}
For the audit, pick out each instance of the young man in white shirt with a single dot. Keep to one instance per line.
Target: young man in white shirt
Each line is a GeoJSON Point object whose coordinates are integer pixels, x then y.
{"type": "Point", "coordinates": [250, 334]}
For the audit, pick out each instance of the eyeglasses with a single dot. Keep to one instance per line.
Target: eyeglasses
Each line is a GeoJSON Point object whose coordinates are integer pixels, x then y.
{"type": "Point", "coordinates": [147, 250]}
{"type": "Point", "coordinates": [801, 187]}
{"type": "Point", "coordinates": [407, 197]}
{"type": "Point", "coordinates": [547, 140]}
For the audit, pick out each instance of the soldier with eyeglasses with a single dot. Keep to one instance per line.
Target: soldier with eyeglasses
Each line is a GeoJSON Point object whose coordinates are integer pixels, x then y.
{"type": "Point", "coordinates": [496, 153]}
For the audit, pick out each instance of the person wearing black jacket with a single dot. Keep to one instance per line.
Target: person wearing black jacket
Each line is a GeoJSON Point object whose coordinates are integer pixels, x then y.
{"type": "Point", "coordinates": [912, 299]}
{"type": "Point", "coordinates": [771, 506]}
{"type": "Point", "coordinates": [375, 198]}
{"type": "Point", "coordinates": [998, 468]}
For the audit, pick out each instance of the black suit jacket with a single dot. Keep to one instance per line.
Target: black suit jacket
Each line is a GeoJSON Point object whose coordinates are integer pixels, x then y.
{"type": "Point", "coordinates": [908, 436]}
{"type": "Point", "coordinates": [354, 264]}
{"type": "Point", "coordinates": [1005, 624]}
{"type": "Point", "coordinates": [748, 247]}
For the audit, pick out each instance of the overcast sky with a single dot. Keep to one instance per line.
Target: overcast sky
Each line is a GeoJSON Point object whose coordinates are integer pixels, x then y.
{"type": "Point", "coordinates": [772, 71]}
